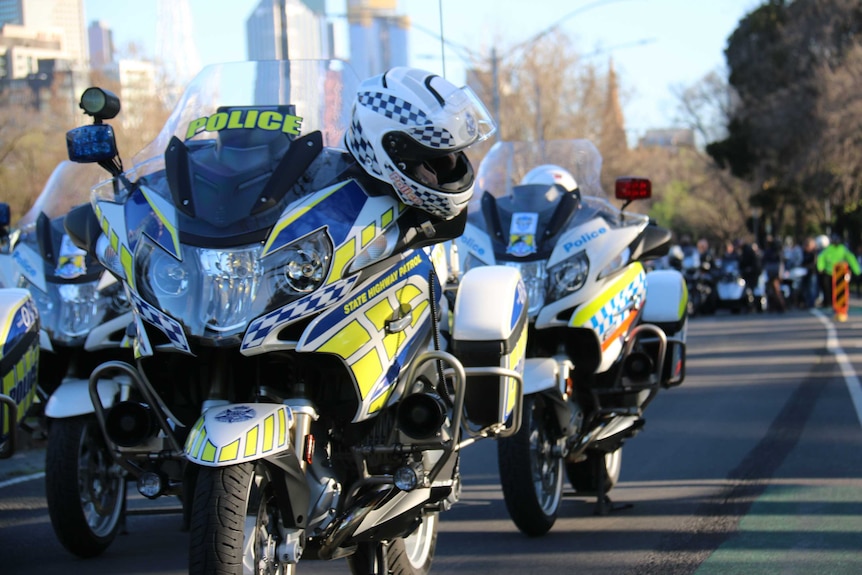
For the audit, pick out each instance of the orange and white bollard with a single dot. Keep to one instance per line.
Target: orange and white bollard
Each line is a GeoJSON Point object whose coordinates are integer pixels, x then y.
{"type": "Point", "coordinates": [841, 290]}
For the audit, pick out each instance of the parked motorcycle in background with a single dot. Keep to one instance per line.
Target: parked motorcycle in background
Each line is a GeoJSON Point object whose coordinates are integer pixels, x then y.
{"type": "Point", "coordinates": [700, 283]}
{"type": "Point", "coordinates": [292, 381]}
{"type": "Point", "coordinates": [604, 335]}
{"type": "Point", "coordinates": [84, 315]}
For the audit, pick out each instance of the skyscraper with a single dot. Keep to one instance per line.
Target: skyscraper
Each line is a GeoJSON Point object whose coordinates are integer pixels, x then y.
{"type": "Point", "coordinates": [101, 44]}
{"type": "Point", "coordinates": [66, 15]}
{"type": "Point", "coordinates": [308, 36]}
{"type": "Point", "coordinates": [378, 36]}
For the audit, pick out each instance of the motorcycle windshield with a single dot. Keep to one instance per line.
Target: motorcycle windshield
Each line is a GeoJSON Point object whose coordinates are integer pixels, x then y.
{"type": "Point", "coordinates": [68, 186]}
{"type": "Point", "coordinates": [506, 164]}
{"type": "Point", "coordinates": [502, 175]}
{"type": "Point", "coordinates": [231, 211]}
{"type": "Point", "coordinates": [62, 279]}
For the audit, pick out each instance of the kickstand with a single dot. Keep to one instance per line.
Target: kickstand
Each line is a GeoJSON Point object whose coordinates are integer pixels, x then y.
{"type": "Point", "coordinates": [604, 504]}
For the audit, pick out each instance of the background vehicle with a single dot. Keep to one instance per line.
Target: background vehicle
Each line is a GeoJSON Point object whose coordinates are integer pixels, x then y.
{"type": "Point", "coordinates": [604, 334]}
{"type": "Point", "coordinates": [19, 362]}
{"type": "Point", "coordinates": [732, 292]}
{"type": "Point", "coordinates": [291, 381]}
{"type": "Point", "coordinates": [84, 315]}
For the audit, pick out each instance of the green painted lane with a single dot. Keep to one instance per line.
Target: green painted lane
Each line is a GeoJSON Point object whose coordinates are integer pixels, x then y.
{"type": "Point", "coordinates": [795, 528]}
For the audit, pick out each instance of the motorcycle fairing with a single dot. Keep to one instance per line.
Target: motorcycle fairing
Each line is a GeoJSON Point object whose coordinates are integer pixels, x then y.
{"type": "Point", "coordinates": [167, 325]}
{"type": "Point", "coordinates": [236, 433]}
{"type": "Point", "coordinates": [19, 353]}
{"type": "Point", "coordinates": [112, 220]}
{"type": "Point", "coordinates": [613, 309]}
{"type": "Point", "coordinates": [362, 220]}
{"type": "Point", "coordinates": [30, 264]}
{"type": "Point", "coordinates": [262, 333]}
{"type": "Point", "coordinates": [359, 331]}
{"type": "Point", "coordinates": [474, 241]}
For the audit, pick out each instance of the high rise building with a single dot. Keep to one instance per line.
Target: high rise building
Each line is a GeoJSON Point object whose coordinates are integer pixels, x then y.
{"type": "Point", "coordinates": [378, 36]}
{"type": "Point", "coordinates": [101, 42]}
{"type": "Point", "coordinates": [294, 29]}
{"type": "Point", "coordinates": [65, 15]}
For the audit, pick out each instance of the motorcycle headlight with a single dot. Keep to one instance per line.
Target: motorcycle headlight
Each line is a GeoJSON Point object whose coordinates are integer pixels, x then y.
{"type": "Point", "coordinates": [68, 312]}
{"type": "Point", "coordinates": [79, 310]}
{"type": "Point", "coordinates": [535, 277]}
{"type": "Point", "coordinates": [568, 276]}
{"type": "Point", "coordinates": [222, 290]}
{"type": "Point", "coordinates": [306, 263]}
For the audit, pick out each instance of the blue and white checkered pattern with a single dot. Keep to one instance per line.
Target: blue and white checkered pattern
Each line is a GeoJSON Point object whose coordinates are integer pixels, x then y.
{"type": "Point", "coordinates": [362, 149]}
{"type": "Point", "coordinates": [274, 320]}
{"type": "Point", "coordinates": [434, 137]}
{"type": "Point", "coordinates": [429, 200]}
{"type": "Point", "coordinates": [168, 326]}
{"type": "Point", "coordinates": [393, 107]}
{"type": "Point", "coordinates": [611, 314]}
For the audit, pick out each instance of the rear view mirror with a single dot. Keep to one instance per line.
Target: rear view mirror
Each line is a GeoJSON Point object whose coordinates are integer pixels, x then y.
{"type": "Point", "coordinates": [91, 144]}
{"type": "Point", "coordinates": [630, 189]}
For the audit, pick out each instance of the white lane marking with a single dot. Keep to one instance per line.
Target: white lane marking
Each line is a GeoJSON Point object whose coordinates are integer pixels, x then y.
{"type": "Point", "coordinates": [851, 380]}
{"type": "Point", "coordinates": [22, 479]}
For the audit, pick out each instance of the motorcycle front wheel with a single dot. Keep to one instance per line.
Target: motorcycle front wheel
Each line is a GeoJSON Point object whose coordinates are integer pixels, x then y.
{"type": "Point", "coordinates": [583, 476]}
{"type": "Point", "coordinates": [84, 486]}
{"type": "Point", "coordinates": [531, 469]}
{"type": "Point", "coordinates": [410, 555]}
{"type": "Point", "coordinates": [234, 523]}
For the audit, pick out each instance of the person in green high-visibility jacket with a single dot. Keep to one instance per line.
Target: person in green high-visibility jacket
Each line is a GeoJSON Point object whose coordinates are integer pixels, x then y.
{"type": "Point", "coordinates": [832, 254]}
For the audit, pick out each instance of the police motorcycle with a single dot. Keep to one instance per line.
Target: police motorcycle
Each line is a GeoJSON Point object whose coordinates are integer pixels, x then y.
{"type": "Point", "coordinates": [19, 363]}
{"type": "Point", "coordinates": [84, 315]}
{"type": "Point", "coordinates": [19, 351]}
{"type": "Point", "coordinates": [604, 335]}
{"type": "Point", "coordinates": [298, 381]}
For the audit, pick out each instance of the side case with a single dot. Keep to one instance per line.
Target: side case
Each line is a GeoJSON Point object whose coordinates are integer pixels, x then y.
{"type": "Point", "coordinates": [19, 362]}
{"type": "Point", "coordinates": [490, 329]}
{"type": "Point", "coordinates": [665, 307]}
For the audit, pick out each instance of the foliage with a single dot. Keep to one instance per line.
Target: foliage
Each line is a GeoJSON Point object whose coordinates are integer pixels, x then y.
{"type": "Point", "coordinates": [796, 66]}
{"type": "Point", "coordinates": [32, 137]}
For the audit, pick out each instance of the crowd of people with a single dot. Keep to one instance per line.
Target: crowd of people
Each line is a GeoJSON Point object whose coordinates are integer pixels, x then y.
{"type": "Point", "coordinates": [801, 270]}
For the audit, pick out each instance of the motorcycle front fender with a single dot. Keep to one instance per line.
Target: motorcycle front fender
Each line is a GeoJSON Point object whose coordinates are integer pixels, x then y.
{"type": "Point", "coordinates": [547, 376]}
{"type": "Point", "coordinates": [235, 433]}
{"type": "Point", "coordinates": [72, 398]}
{"type": "Point", "coordinates": [542, 374]}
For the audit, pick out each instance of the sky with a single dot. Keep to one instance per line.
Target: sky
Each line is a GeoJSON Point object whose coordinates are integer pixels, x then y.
{"type": "Point", "coordinates": [656, 45]}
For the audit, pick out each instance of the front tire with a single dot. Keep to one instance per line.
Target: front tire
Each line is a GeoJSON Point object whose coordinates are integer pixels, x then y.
{"type": "Point", "coordinates": [410, 555]}
{"type": "Point", "coordinates": [85, 488]}
{"type": "Point", "coordinates": [235, 522]}
{"type": "Point", "coordinates": [531, 469]}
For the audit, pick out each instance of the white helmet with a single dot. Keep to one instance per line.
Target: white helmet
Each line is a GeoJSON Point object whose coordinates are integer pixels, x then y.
{"type": "Point", "coordinates": [409, 128]}
{"type": "Point", "coordinates": [821, 241]}
{"type": "Point", "coordinates": [550, 174]}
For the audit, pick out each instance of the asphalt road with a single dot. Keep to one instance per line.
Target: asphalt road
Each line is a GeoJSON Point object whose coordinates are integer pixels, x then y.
{"type": "Point", "coordinates": [751, 466]}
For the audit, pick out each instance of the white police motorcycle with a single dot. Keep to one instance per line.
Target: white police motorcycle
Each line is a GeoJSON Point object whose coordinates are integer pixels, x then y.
{"type": "Point", "coordinates": [604, 334]}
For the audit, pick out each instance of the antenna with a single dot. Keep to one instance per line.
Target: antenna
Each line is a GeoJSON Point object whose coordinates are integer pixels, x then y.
{"type": "Point", "coordinates": [442, 46]}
